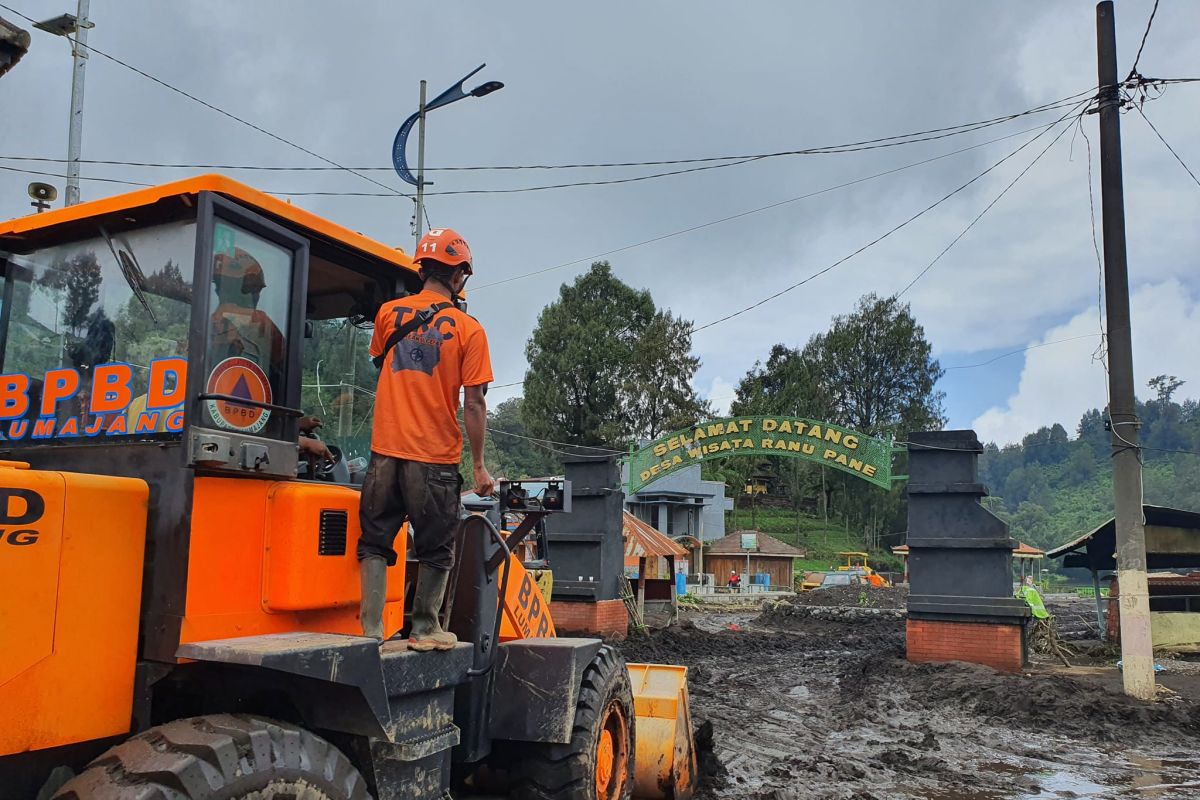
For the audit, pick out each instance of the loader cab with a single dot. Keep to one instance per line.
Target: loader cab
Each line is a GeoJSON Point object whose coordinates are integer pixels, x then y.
{"type": "Point", "coordinates": [202, 317]}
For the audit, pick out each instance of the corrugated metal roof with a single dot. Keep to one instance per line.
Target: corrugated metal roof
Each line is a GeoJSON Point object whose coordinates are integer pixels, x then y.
{"type": "Point", "coordinates": [644, 541]}
{"type": "Point", "coordinates": [1154, 515]}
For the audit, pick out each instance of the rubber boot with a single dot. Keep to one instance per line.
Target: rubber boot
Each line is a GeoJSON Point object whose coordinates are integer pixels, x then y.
{"type": "Point", "coordinates": [373, 579]}
{"type": "Point", "coordinates": [426, 632]}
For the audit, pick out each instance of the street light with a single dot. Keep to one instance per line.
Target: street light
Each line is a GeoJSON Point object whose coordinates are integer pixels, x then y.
{"type": "Point", "coordinates": [399, 155]}
{"type": "Point", "coordinates": [65, 25]}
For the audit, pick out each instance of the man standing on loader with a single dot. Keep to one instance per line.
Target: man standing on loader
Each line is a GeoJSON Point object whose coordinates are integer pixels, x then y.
{"type": "Point", "coordinates": [427, 350]}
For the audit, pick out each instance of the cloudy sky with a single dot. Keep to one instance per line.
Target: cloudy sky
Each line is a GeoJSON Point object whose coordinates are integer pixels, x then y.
{"type": "Point", "coordinates": [674, 80]}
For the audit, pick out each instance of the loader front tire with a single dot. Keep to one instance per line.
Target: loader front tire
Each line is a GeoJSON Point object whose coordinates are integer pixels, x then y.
{"type": "Point", "coordinates": [223, 757]}
{"type": "Point", "coordinates": [598, 762]}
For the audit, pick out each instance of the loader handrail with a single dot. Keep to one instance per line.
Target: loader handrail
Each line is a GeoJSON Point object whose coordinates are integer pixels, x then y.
{"type": "Point", "coordinates": [493, 646]}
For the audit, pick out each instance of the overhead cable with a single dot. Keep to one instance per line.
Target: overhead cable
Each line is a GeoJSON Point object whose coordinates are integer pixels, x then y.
{"type": "Point", "coordinates": [93, 49]}
{"type": "Point", "coordinates": [696, 328]}
{"type": "Point", "coordinates": [759, 209]}
{"type": "Point", "coordinates": [879, 238]}
{"type": "Point", "coordinates": [1167, 145]}
{"type": "Point", "coordinates": [1142, 46]}
{"type": "Point", "coordinates": [981, 214]}
{"type": "Point", "coordinates": [847, 147]}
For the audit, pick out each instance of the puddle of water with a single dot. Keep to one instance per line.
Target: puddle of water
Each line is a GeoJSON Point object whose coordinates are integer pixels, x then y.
{"type": "Point", "coordinates": [799, 692]}
{"type": "Point", "coordinates": [1064, 784]}
{"type": "Point", "coordinates": [1159, 777]}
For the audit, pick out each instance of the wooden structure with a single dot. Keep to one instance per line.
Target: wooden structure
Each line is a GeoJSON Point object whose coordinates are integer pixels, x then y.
{"type": "Point", "coordinates": [650, 559]}
{"type": "Point", "coordinates": [772, 557]}
{"type": "Point", "coordinates": [1172, 543]}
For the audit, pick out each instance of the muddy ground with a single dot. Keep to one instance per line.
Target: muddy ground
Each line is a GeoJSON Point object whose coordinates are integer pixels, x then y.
{"type": "Point", "coordinates": [805, 706]}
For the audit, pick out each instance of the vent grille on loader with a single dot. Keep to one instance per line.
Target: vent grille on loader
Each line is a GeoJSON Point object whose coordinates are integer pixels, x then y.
{"type": "Point", "coordinates": [332, 539]}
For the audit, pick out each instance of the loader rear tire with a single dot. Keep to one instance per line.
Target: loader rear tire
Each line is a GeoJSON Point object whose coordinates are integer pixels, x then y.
{"type": "Point", "coordinates": [598, 763]}
{"type": "Point", "coordinates": [223, 757]}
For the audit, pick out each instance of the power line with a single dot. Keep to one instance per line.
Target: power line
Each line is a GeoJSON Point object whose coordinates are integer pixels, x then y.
{"type": "Point", "coordinates": [878, 239]}
{"type": "Point", "coordinates": [986, 209]}
{"type": "Point", "coordinates": [847, 147]}
{"type": "Point", "coordinates": [1022, 350]}
{"type": "Point", "coordinates": [740, 160]}
{"type": "Point", "coordinates": [760, 209]}
{"type": "Point", "coordinates": [81, 177]}
{"type": "Point", "coordinates": [223, 112]}
{"type": "Point", "coordinates": [1138, 57]}
{"type": "Point", "coordinates": [606, 450]}
{"type": "Point", "coordinates": [1167, 145]}
{"type": "Point", "coordinates": [868, 245]}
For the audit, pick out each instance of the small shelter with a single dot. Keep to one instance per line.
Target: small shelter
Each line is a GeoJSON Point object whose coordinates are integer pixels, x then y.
{"type": "Point", "coordinates": [650, 559]}
{"type": "Point", "coordinates": [766, 557]}
{"type": "Point", "coordinates": [1027, 557]}
{"type": "Point", "coordinates": [1172, 543]}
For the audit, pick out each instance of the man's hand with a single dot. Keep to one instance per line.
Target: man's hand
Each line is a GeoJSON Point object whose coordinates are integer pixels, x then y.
{"type": "Point", "coordinates": [310, 424]}
{"type": "Point", "coordinates": [315, 448]}
{"type": "Point", "coordinates": [484, 485]}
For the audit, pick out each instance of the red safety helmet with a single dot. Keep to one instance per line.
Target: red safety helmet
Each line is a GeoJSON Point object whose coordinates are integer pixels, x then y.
{"type": "Point", "coordinates": [444, 246]}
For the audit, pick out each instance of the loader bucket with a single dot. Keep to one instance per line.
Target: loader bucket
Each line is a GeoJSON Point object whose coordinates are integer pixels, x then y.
{"type": "Point", "coordinates": [665, 759]}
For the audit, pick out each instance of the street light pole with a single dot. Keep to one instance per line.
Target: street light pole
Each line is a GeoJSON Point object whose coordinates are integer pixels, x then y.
{"type": "Point", "coordinates": [1137, 655]}
{"type": "Point", "coordinates": [420, 218]}
{"type": "Point", "coordinates": [75, 138]}
{"type": "Point", "coordinates": [399, 144]}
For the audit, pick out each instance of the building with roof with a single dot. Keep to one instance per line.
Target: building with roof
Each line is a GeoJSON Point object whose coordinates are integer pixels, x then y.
{"type": "Point", "coordinates": [1172, 543]}
{"type": "Point", "coordinates": [650, 564]}
{"type": "Point", "coordinates": [766, 555]}
{"type": "Point", "coordinates": [682, 504]}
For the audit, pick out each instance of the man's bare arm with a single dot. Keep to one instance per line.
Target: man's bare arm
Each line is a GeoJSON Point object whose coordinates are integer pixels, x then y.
{"type": "Point", "coordinates": [475, 417]}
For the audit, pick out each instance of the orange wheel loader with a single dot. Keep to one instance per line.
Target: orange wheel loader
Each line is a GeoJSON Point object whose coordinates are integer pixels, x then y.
{"type": "Point", "coordinates": [178, 587]}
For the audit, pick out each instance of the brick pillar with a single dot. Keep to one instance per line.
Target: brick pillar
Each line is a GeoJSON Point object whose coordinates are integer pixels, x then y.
{"type": "Point", "coordinates": [605, 618]}
{"type": "Point", "coordinates": [996, 645]}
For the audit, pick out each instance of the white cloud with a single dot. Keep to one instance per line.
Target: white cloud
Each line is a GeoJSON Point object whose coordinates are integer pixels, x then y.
{"type": "Point", "coordinates": [1060, 382]}
{"type": "Point", "coordinates": [720, 393]}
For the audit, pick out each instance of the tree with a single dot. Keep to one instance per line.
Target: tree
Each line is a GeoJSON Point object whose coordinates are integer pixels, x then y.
{"type": "Point", "coordinates": [606, 367]}
{"type": "Point", "coordinates": [871, 371]}
{"type": "Point", "coordinates": [877, 365]}
{"type": "Point", "coordinates": [789, 383]}
{"type": "Point", "coordinates": [657, 392]}
{"type": "Point", "coordinates": [517, 457]}
{"type": "Point", "coordinates": [79, 278]}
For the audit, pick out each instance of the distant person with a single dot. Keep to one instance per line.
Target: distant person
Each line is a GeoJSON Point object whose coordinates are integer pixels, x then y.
{"type": "Point", "coordinates": [735, 580]}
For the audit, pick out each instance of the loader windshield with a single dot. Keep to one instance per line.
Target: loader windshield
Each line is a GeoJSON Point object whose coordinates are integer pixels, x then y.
{"type": "Point", "coordinates": [338, 384]}
{"type": "Point", "coordinates": [94, 336]}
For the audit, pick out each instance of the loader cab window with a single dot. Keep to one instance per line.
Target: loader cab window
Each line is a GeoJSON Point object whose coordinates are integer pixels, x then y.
{"type": "Point", "coordinates": [247, 348]}
{"type": "Point", "coordinates": [93, 337]}
{"type": "Point", "coordinates": [338, 385]}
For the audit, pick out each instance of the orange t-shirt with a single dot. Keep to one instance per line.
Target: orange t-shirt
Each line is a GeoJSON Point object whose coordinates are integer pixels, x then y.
{"type": "Point", "coordinates": [416, 402]}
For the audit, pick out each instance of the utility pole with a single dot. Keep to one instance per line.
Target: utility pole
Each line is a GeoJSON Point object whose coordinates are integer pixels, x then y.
{"type": "Point", "coordinates": [1137, 654]}
{"type": "Point", "coordinates": [75, 140]}
{"type": "Point", "coordinates": [420, 226]}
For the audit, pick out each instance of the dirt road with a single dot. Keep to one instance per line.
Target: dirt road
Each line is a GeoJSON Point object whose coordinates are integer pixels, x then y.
{"type": "Point", "coordinates": [804, 707]}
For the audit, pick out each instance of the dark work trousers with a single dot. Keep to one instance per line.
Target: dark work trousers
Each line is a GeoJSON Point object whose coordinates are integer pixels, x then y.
{"type": "Point", "coordinates": [426, 495]}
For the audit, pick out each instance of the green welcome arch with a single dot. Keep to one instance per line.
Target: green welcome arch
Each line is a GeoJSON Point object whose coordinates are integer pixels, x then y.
{"type": "Point", "coordinates": [860, 455]}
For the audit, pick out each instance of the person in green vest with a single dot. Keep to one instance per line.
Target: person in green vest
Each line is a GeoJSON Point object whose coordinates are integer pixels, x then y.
{"type": "Point", "coordinates": [1033, 599]}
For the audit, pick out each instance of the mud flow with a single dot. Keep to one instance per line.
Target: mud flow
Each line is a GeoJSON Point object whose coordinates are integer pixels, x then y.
{"type": "Point", "coordinates": [817, 701]}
